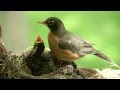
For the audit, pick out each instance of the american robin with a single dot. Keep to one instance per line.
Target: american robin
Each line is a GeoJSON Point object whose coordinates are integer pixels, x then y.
{"type": "Point", "coordinates": [33, 61]}
{"type": "Point", "coordinates": [38, 60]}
{"type": "Point", "coordinates": [65, 45]}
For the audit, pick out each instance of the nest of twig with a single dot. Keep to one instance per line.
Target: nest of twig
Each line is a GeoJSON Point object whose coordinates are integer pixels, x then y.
{"type": "Point", "coordinates": [17, 67]}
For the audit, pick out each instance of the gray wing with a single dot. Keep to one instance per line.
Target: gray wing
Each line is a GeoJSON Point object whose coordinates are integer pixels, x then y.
{"type": "Point", "coordinates": [75, 44]}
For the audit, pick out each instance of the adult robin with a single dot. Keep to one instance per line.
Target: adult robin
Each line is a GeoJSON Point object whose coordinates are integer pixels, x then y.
{"type": "Point", "coordinates": [65, 45]}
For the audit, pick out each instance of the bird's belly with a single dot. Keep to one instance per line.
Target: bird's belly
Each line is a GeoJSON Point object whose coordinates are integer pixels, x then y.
{"type": "Point", "coordinates": [65, 55]}
{"type": "Point", "coordinates": [61, 54]}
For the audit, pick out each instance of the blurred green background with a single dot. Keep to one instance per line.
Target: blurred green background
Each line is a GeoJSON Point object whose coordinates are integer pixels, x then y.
{"type": "Point", "coordinates": [99, 27]}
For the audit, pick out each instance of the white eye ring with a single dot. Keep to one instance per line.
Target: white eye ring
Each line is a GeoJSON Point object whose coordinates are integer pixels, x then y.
{"type": "Point", "coordinates": [51, 22]}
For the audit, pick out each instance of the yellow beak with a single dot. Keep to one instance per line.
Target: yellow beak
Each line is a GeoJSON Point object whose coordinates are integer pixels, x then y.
{"type": "Point", "coordinates": [41, 22]}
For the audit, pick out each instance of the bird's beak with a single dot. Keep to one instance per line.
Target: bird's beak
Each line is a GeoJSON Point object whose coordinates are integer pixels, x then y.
{"type": "Point", "coordinates": [38, 40]}
{"type": "Point", "coordinates": [41, 22]}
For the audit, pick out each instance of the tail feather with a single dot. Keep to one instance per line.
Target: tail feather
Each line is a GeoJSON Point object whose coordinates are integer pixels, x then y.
{"type": "Point", "coordinates": [101, 55]}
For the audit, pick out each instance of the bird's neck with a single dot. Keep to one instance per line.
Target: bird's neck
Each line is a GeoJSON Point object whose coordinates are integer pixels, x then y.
{"type": "Point", "coordinates": [60, 32]}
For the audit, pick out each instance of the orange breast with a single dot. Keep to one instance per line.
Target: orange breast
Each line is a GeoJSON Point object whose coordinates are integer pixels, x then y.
{"type": "Point", "coordinates": [61, 54]}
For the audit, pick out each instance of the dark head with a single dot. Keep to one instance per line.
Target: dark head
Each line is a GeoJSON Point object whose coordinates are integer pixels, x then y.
{"type": "Point", "coordinates": [54, 24]}
{"type": "Point", "coordinates": [39, 46]}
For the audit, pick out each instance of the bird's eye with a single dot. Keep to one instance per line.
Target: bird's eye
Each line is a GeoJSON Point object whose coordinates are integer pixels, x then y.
{"type": "Point", "coordinates": [50, 22]}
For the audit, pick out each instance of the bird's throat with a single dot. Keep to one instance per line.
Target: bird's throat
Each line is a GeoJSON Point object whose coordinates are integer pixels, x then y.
{"type": "Point", "coordinates": [58, 31]}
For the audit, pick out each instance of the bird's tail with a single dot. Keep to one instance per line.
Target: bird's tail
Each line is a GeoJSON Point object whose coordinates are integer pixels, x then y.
{"type": "Point", "coordinates": [101, 55]}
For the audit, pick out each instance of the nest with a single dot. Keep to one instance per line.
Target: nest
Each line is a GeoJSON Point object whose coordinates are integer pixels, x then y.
{"type": "Point", "coordinates": [26, 66]}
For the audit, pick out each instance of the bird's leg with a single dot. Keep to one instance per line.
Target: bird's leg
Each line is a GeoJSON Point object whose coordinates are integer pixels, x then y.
{"type": "Point", "coordinates": [74, 65]}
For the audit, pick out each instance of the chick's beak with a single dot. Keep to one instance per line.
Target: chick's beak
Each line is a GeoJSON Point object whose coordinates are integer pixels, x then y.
{"type": "Point", "coordinates": [41, 22]}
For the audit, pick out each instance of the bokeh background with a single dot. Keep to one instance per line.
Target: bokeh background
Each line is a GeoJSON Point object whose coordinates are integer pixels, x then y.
{"type": "Point", "coordinates": [99, 27]}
